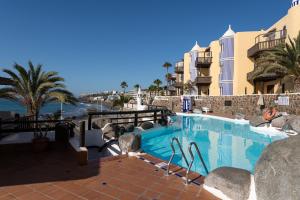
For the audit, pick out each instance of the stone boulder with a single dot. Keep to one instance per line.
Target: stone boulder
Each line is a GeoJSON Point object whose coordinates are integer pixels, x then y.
{"type": "Point", "coordinates": [233, 182]}
{"type": "Point", "coordinates": [130, 142]}
{"type": "Point", "coordinates": [239, 116]}
{"type": "Point", "coordinates": [129, 128]}
{"type": "Point", "coordinates": [257, 121]}
{"type": "Point", "coordinates": [163, 122]}
{"type": "Point", "coordinates": [279, 122]}
{"type": "Point", "coordinates": [147, 125]}
{"type": "Point", "coordinates": [277, 174]}
{"type": "Point", "coordinates": [293, 124]}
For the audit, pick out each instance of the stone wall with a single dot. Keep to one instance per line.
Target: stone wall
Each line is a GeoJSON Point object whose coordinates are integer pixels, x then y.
{"type": "Point", "coordinates": [246, 104]}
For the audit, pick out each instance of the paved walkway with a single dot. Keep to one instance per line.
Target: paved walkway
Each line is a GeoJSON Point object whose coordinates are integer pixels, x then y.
{"type": "Point", "coordinates": [56, 175]}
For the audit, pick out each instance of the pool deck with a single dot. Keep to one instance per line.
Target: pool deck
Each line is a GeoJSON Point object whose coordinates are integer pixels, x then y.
{"type": "Point", "coordinates": [56, 175]}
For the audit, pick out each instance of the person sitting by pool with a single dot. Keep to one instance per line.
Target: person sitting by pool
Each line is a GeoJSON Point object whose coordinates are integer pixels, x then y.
{"type": "Point", "coordinates": [270, 113]}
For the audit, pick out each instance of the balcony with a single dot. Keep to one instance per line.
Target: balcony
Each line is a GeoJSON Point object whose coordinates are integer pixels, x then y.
{"type": "Point", "coordinates": [267, 42]}
{"type": "Point", "coordinates": [261, 78]}
{"type": "Point", "coordinates": [178, 85]}
{"type": "Point", "coordinates": [173, 77]}
{"type": "Point", "coordinates": [179, 67]}
{"type": "Point", "coordinates": [204, 59]}
{"type": "Point", "coordinates": [203, 80]}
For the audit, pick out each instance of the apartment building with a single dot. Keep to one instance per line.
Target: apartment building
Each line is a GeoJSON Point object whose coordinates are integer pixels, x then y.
{"type": "Point", "coordinates": [228, 65]}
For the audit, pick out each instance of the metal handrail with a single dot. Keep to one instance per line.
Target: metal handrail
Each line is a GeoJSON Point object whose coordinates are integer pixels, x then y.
{"type": "Point", "coordinates": [172, 156]}
{"type": "Point", "coordinates": [192, 161]}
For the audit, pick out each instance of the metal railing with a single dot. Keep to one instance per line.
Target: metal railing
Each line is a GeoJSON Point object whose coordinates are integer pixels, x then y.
{"type": "Point", "coordinates": [174, 139]}
{"type": "Point", "coordinates": [29, 125]}
{"type": "Point", "coordinates": [179, 69]}
{"type": "Point", "coordinates": [267, 41]}
{"type": "Point", "coordinates": [127, 117]}
{"type": "Point", "coordinates": [192, 161]}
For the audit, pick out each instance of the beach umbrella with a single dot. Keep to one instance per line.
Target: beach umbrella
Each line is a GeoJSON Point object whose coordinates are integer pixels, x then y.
{"type": "Point", "coordinates": [260, 101]}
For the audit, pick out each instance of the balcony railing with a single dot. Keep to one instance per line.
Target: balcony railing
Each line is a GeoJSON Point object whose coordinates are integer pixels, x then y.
{"type": "Point", "coordinates": [267, 41]}
{"type": "Point", "coordinates": [261, 78]}
{"type": "Point", "coordinates": [179, 69]}
{"type": "Point", "coordinates": [173, 77]}
{"type": "Point", "coordinates": [179, 64]}
{"type": "Point", "coordinates": [204, 62]}
{"type": "Point", "coordinates": [203, 80]}
{"type": "Point", "coordinates": [178, 84]}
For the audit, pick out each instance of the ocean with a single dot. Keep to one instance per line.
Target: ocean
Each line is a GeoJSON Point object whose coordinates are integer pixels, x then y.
{"type": "Point", "coordinates": [68, 110]}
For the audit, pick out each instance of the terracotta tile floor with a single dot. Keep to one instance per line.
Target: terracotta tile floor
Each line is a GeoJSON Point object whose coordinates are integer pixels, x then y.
{"type": "Point", "coordinates": [56, 175]}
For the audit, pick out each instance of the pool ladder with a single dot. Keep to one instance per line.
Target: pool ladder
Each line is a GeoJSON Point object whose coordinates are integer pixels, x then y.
{"type": "Point", "coordinates": [192, 144]}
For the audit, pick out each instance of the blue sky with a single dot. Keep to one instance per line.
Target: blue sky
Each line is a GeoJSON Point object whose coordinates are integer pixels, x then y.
{"type": "Point", "coordinates": [96, 44]}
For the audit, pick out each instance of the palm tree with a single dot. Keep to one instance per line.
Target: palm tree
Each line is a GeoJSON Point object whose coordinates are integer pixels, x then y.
{"type": "Point", "coordinates": [151, 89]}
{"type": "Point", "coordinates": [188, 87]}
{"type": "Point", "coordinates": [167, 65]}
{"type": "Point", "coordinates": [157, 82]}
{"type": "Point", "coordinates": [283, 60]}
{"type": "Point", "coordinates": [136, 86]}
{"type": "Point", "coordinates": [124, 85]}
{"type": "Point", "coordinates": [34, 88]}
{"type": "Point", "coordinates": [121, 101]}
{"type": "Point", "coordinates": [168, 77]}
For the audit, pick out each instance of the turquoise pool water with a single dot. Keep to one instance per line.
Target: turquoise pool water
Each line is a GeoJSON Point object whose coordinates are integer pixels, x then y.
{"type": "Point", "coordinates": [222, 143]}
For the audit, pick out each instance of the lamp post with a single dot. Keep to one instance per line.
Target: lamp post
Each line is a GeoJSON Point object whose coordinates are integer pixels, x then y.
{"type": "Point", "coordinates": [101, 104]}
{"type": "Point", "coordinates": [97, 104]}
{"type": "Point", "coordinates": [61, 110]}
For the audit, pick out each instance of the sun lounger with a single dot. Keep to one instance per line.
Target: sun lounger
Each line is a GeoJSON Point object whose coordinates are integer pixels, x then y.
{"type": "Point", "coordinates": [206, 109]}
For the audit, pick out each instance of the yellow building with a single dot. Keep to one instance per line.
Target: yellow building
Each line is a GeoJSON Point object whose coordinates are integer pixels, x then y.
{"type": "Point", "coordinates": [227, 65]}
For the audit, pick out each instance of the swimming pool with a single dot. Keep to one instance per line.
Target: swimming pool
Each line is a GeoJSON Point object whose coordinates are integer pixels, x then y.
{"type": "Point", "coordinates": [221, 142]}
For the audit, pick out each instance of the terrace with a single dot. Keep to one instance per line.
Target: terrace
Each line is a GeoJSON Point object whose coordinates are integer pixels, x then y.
{"type": "Point", "coordinates": [203, 80]}
{"type": "Point", "coordinates": [267, 41]}
{"type": "Point", "coordinates": [204, 59]}
{"type": "Point", "coordinates": [179, 67]}
{"type": "Point", "coordinates": [178, 84]}
{"type": "Point", "coordinates": [55, 173]}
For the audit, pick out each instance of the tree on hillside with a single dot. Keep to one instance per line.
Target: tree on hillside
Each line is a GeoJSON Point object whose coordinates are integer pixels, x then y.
{"type": "Point", "coordinates": [157, 82]}
{"type": "Point", "coordinates": [124, 85]}
{"type": "Point", "coordinates": [136, 87]}
{"type": "Point", "coordinates": [167, 65]}
{"type": "Point", "coordinates": [151, 88]}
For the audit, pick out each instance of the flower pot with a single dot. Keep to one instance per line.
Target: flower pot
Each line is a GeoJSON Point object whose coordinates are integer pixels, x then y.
{"type": "Point", "coordinates": [40, 144]}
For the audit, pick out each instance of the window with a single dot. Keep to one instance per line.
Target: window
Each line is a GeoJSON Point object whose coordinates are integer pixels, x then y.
{"type": "Point", "coordinates": [283, 88]}
{"type": "Point", "coordinates": [270, 89]}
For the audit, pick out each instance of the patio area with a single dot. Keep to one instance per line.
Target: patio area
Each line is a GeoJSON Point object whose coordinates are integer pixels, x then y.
{"type": "Point", "coordinates": [56, 175]}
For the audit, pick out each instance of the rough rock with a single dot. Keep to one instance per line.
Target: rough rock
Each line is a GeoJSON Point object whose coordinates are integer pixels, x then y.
{"type": "Point", "coordinates": [129, 142]}
{"type": "Point", "coordinates": [293, 124]}
{"type": "Point", "coordinates": [257, 121]}
{"type": "Point", "coordinates": [279, 122]}
{"type": "Point", "coordinates": [233, 182]}
{"type": "Point", "coordinates": [239, 116]}
{"type": "Point", "coordinates": [129, 128]}
{"type": "Point", "coordinates": [277, 174]}
{"type": "Point", "coordinates": [99, 123]}
{"type": "Point", "coordinates": [163, 122]}
{"type": "Point", "coordinates": [147, 125]}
